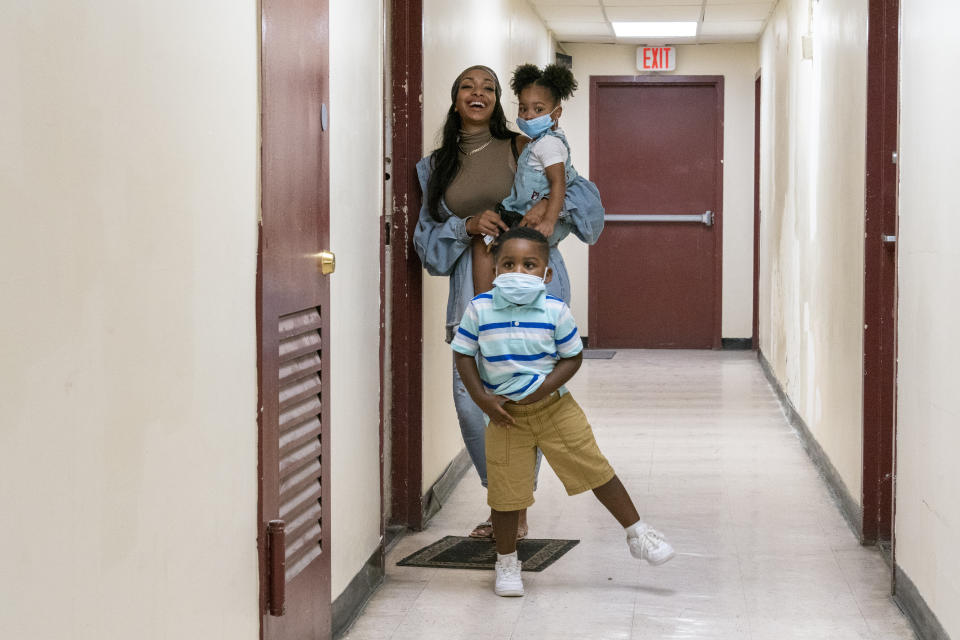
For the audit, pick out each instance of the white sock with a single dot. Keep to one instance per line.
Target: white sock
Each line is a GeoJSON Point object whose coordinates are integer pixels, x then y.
{"type": "Point", "coordinates": [636, 530]}
{"type": "Point", "coordinates": [507, 556]}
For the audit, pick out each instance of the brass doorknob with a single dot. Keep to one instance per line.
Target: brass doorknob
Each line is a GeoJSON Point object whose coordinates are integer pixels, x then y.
{"type": "Point", "coordinates": [328, 262]}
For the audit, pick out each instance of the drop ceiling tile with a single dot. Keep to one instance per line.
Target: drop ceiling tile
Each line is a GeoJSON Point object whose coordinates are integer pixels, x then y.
{"type": "Point", "coordinates": [652, 13]}
{"type": "Point", "coordinates": [554, 13]}
{"type": "Point", "coordinates": [566, 3]}
{"type": "Point", "coordinates": [564, 29]}
{"type": "Point", "coordinates": [737, 12]}
{"type": "Point", "coordinates": [651, 3]}
{"type": "Point", "coordinates": [746, 28]}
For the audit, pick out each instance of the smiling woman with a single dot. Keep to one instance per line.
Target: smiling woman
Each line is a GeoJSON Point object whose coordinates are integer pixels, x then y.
{"type": "Point", "coordinates": [463, 181]}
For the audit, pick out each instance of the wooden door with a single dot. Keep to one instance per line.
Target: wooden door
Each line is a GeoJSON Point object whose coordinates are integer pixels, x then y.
{"type": "Point", "coordinates": [293, 324]}
{"type": "Point", "coordinates": [880, 272]}
{"type": "Point", "coordinates": [656, 148]}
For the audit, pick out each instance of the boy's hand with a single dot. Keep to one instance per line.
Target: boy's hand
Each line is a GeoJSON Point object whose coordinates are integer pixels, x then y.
{"type": "Point", "coordinates": [493, 407]}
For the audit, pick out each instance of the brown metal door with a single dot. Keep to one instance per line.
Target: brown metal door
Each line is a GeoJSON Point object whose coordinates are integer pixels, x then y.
{"type": "Point", "coordinates": [293, 323]}
{"type": "Point", "coordinates": [656, 146]}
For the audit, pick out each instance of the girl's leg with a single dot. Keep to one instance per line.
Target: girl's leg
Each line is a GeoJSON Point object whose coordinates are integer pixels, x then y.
{"type": "Point", "coordinates": [505, 530]}
{"type": "Point", "coordinates": [615, 498]}
{"type": "Point", "coordinates": [482, 266]}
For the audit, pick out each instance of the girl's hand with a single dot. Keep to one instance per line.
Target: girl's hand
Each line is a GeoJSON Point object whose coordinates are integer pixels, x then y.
{"type": "Point", "coordinates": [487, 223]}
{"type": "Point", "coordinates": [493, 407]}
{"type": "Point", "coordinates": [538, 219]}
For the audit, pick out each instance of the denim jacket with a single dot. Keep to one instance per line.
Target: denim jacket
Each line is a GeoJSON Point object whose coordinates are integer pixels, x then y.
{"type": "Point", "coordinates": [443, 246]}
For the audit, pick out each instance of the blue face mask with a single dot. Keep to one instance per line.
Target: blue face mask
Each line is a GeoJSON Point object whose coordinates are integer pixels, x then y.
{"type": "Point", "coordinates": [536, 127]}
{"type": "Point", "coordinates": [520, 288]}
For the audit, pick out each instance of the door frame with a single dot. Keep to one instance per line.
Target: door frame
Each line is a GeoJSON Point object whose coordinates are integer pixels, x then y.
{"type": "Point", "coordinates": [596, 82]}
{"type": "Point", "coordinates": [880, 279]}
{"type": "Point", "coordinates": [406, 280]}
{"type": "Point", "coordinates": [757, 86]}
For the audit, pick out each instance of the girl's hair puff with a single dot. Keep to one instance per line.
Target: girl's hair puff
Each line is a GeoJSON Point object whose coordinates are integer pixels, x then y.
{"type": "Point", "coordinates": [557, 78]}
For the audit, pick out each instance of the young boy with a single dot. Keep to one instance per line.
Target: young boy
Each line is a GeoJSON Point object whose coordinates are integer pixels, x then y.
{"type": "Point", "coordinates": [529, 348]}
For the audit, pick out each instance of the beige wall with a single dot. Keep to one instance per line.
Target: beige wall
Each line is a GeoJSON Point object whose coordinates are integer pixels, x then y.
{"type": "Point", "coordinates": [928, 483]}
{"type": "Point", "coordinates": [812, 202]}
{"type": "Point", "coordinates": [356, 186]}
{"type": "Point", "coordinates": [128, 445]}
{"type": "Point", "coordinates": [500, 34]}
{"type": "Point", "coordinates": [737, 63]}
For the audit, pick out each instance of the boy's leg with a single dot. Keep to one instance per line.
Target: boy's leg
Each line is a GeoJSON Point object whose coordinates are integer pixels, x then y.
{"type": "Point", "coordinates": [615, 498]}
{"type": "Point", "coordinates": [482, 266]}
{"type": "Point", "coordinates": [505, 525]}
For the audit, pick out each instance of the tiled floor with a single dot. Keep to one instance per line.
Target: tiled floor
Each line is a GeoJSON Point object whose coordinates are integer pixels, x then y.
{"type": "Point", "coordinates": [700, 441]}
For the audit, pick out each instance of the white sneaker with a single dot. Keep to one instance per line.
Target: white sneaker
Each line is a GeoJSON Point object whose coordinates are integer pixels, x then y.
{"type": "Point", "coordinates": [508, 582]}
{"type": "Point", "coordinates": [650, 546]}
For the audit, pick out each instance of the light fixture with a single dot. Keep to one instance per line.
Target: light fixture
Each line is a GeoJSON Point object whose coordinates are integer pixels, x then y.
{"type": "Point", "coordinates": [655, 29]}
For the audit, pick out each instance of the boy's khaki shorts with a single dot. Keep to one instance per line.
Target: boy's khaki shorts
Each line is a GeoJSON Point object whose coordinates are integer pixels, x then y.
{"type": "Point", "coordinates": [558, 426]}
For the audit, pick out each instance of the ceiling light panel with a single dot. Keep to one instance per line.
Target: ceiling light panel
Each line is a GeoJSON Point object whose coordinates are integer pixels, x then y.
{"type": "Point", "coordinates": [655, 29]}
{"type": "Point", "coordinates": [650, 14]}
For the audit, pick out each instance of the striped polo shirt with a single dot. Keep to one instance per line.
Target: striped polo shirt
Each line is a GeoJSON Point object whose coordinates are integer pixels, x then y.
{"type": "Point", "coordinates": [518, 344]}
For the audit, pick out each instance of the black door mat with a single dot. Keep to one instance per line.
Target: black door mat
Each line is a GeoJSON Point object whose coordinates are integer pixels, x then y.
{"type": "Point", "coordinates": [599, 354]}
{"type": "Point", "coordinates": [458, 552]}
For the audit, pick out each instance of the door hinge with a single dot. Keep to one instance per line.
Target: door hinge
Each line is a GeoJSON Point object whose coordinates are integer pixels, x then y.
{"type": "Point", "coordinates": [276, 567]}
{"type": "Point", "coordinates": [386, 233]}
{"type": "Point", "coordinates": [894, 157]}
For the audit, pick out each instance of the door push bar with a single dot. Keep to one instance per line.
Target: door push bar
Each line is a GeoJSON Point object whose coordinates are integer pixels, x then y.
{"type": "Point", "coordinates": [705, 218]}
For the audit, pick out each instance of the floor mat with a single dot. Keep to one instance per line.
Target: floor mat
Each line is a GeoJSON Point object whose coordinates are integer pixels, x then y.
{"type": "Point", "coordinates": [458, 552]}
{"type": "Point", "coordinates": [599, 354]}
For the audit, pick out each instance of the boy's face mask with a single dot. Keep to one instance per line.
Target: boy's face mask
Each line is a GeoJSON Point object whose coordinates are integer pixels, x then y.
{"type": "Point", "coordinates": [520, 288]}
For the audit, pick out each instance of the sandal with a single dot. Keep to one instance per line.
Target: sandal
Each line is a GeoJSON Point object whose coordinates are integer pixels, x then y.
{"type": "Point", "coordinates": [522, 531]}
{"type": "Point", "coordinates": [483, 530]}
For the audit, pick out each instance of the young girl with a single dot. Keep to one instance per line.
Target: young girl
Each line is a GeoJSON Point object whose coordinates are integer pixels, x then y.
{"type": "Point", "coordinates": [544, 170]}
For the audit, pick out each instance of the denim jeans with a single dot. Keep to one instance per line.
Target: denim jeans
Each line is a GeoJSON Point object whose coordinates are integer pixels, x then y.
{"type": "Point", "coordinates": [473, 428]}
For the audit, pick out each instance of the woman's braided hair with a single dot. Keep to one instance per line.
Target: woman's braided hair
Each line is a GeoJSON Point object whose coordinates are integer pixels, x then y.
{"type": "Point", "coordinates": [558, 79]}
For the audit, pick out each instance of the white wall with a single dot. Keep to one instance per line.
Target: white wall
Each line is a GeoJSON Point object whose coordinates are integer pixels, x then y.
{"type": "Point", "coordinates": [499, 34]}
{"type": "Point", "coordinates": [928, 483]}
{"type": "Point", "coordinates": [128, 445]}
{"type": "Point", "coordinates": [813, 118]}
{"type": "Point", "coordinates": [737, 63]}
{"type": "Point", "coordinates": [356, 187]}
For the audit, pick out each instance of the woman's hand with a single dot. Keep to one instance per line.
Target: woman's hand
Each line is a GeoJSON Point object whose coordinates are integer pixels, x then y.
{"type": "Point", "coordinates": [487, 223]}
{"type": "Point", "coordinates": [539, 219]}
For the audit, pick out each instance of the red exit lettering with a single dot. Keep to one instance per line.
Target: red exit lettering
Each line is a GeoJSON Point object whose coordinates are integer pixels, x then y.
{"type": "Point", "coordinates": [655, 58]}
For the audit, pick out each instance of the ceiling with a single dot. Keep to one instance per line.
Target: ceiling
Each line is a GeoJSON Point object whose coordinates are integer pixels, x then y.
{"type": "Point", "coordinates": [717, 20]}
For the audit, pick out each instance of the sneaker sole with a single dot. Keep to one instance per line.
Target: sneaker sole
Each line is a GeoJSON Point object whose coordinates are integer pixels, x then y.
{"type": "Point", "coordinates": [662, 560]}
{"type": "Point", "coordinates": [511, 593]}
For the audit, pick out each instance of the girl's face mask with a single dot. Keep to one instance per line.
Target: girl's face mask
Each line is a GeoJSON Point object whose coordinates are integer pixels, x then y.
{"type": "Point", "coordinates": [536, 127]}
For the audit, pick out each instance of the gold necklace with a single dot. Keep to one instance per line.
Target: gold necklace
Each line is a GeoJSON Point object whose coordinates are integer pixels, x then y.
{"type": "Point", "coordinates": [478, 149]}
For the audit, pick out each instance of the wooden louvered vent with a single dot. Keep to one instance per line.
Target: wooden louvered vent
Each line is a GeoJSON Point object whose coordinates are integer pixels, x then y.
{"type": "Point", "coordinates": [300, 461]}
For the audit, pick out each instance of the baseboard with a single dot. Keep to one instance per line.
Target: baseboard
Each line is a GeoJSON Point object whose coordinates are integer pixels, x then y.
{"type": "Point", "coordinates": [736, 344]}
{"type": "Point", "coordinates": [913, 605]}
{"type": "Point", "coordinates": [445, 484]}
{"type": "Point", "coordinates": [849, 506]}
{"type": "Point", "coordinates": [348, 606]}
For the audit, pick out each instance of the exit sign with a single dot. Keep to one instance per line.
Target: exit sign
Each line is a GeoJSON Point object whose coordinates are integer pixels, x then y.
{"type": "Point", "coordinates": [656, 58]}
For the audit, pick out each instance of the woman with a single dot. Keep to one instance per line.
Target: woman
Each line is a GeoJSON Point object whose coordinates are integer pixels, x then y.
{"type": "Point", "coordinates": [462, 182]}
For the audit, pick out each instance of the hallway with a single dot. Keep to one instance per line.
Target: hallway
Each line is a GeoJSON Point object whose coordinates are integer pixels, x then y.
{"type": "Point", "coordinates": [700, 441]}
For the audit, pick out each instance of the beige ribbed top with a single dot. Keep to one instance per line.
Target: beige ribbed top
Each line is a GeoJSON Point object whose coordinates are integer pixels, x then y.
{"type": "Point", "coordinates": [485, 177]}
